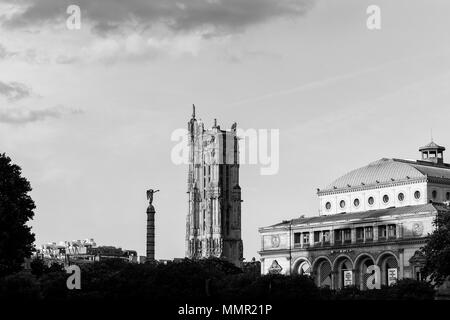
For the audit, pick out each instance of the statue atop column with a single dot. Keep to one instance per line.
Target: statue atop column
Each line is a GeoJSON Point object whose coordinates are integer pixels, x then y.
{"type": "Point", "coordinates": [150, 226]}
{"type": "Point", "coordinates": [150, 193]}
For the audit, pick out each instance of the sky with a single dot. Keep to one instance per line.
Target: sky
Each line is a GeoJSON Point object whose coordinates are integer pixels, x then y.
{"type": "Point", "coordinates": [88, 113]}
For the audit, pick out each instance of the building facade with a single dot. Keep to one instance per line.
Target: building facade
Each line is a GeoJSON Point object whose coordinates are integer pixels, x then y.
{"type": "Point", "coordinates": [81, 251]}
{"type": "Point", "coordinates": [377, 215]}
{"type": "Point", "coordinates": [213, 223]}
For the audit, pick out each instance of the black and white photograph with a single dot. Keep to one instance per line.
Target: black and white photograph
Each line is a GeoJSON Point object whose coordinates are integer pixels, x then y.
{"type": "Point", "coordinates": [223, 159]}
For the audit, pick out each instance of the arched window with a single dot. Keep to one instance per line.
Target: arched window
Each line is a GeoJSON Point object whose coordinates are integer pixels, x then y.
{"type": "Point", "coordinates": [434, 194]}
{"type": "Point", "coordinates": [304, 268]}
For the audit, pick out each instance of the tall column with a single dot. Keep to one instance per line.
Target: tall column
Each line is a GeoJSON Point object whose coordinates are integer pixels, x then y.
{"type": "Point", "coordinates": [150, 233]}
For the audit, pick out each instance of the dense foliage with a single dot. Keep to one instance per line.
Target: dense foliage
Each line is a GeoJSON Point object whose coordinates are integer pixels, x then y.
{"type": "Point", "coordinates": [187, 281]}
{"type": "Point", "coordinates": [437, 250]}
{"type": "Point", "coordinates": [16, 209]}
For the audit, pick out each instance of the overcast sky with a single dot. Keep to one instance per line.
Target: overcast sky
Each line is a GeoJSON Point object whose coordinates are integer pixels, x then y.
{"type": "Point", "coordinates": [88, 114]}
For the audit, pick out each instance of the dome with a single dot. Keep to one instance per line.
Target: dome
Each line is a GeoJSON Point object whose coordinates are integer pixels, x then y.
{"type": "Point", "coordinates": [378, 172]}
{"type": "Point", "coordinates": [388, 171]}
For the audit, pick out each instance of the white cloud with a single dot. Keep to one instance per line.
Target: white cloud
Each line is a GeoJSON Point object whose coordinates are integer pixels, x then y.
{"type": "Point", "coordinates": [114, 30]}
{"type": "Point", "coordinates": [107, 16]}
{"type": "Point", "coordinates": [20, 115]}
{"type": "Point", "coordinates": [14, 90]}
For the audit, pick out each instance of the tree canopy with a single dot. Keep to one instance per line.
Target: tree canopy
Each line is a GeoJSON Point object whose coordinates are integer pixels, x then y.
{"type": "Point", "coordinates": [437, 250]}
{"type": "Point", "coordinates": [188, 281]}
{"type": "Point", "coordinates": [16, 209]}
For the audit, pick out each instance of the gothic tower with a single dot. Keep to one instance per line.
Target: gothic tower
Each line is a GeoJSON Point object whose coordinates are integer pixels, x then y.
{"type": "Point", "coordinates": [213, 223]}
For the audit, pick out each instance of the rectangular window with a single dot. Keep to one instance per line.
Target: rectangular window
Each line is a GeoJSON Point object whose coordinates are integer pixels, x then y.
{"type": "Point", "coordinates": [297, 238]}
{"type": "Point", "coordinates": [360, 234]}
{"type": "Point", "coordinates": [418, 273]}
{"type": "Point", "coordinates": [316, 236]}
{"type": "Point", "coordinates": [369, 233]}
{"type": "Point", "coordinates": [418, 276]}
{"type": "Point", "coordinates": [382, 232]}
{"type": "Point", "coordinates": [306, 239]}
{"type": "Point", "coordinates": [326, 236]}
{"type": "Point", "coordinates": [347, 235]}
{"type": "Point", "coordinates": [392, 231]}
{"type": "Point", "coordinates": [337, 236]}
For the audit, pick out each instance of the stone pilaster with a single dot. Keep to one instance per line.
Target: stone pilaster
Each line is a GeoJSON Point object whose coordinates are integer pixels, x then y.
{"type": "Point", "coordinates": [401, 263]}
{"type": "Point", "coordinates": [353, 235]}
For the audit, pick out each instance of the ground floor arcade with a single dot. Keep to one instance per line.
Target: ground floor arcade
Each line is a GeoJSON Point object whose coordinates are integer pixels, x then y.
{"type": "Point", "coordinates": [357, 266]}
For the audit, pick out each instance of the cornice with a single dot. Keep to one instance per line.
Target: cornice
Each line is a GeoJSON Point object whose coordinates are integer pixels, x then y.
{"type": "Point", "coordinates": [407, 241]}
{"type": "Point", "coordinates": [384, 219]}
{"type": "Point", "coordinates": [371, 186]}
{"type": "Point", "coordinates": [439, 180]}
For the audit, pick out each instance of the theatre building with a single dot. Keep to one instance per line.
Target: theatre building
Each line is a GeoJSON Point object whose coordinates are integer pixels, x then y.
{"type": "Point", "coordinates": [379, 215]}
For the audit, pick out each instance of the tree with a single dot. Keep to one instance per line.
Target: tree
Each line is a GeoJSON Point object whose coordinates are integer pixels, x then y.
{"type": "Point", "coordinates": [16, 209]}
{"type": "Point", "coordinates": [40, 268]}
{"type": "Point", "coordinates": [437, 250]}
{"type": "Point", "coordinates": [19, 286]}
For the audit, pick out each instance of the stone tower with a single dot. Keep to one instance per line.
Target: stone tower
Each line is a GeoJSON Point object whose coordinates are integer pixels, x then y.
{"type": "Point", "coordinates": [213, 223]}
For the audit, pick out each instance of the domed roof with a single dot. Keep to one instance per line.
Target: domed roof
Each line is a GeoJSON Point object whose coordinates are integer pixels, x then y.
{"type": "Point", "coordinates": [381, 171]}
{"type": "Point", "coordinates": [388, 171]}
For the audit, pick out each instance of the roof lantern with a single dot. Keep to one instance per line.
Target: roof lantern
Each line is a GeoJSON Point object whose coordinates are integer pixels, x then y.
{"type": "Point", "coordinates": [433, 152]}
